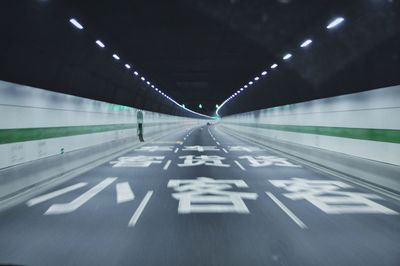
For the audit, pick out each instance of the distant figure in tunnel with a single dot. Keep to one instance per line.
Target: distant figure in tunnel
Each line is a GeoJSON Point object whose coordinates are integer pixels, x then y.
{"type": "Point", "coordinates": [139, 119]}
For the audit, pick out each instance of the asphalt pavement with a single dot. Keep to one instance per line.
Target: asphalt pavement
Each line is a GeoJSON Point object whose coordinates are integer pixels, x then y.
{"type": "Point", "coordinates": [203, 197]}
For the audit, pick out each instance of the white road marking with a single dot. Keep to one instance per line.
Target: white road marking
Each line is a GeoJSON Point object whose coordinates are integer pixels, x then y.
{"type": "Point", "coordinates": [124, 192]}
{"type": "Point", "coordinates": [224, 150]}
{"type": "Point", "coordinates": [287, 211]}
{"type": "Point", "coordinates": [54, 194]}
{"type": "Point", "coordinates": [167, 165]}
{"type": "Point", "coordinates": [240, 166]}
{"type": "Point", "coordinates": [217, 143]}
{"type": "Point", "coordinates": [79, 201]}
{"type": "Point", "coordinates": [320, 169]}
{"type": "Point", "coordinates": [139, 210]}
{"type": "Point", "coordinates": [176, 150]}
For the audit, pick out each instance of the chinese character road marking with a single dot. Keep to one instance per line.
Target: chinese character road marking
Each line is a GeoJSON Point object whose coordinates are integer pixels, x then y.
{"type": "Point", "coordinates": [137, 161]}
{"type": "Point", "coordinates": [54, 194]}
{"type": "Point", "coordinates": [244, 148]}
{"type": "Point", "coordinates": [139, 210]}
{"type": "Point", "coordinates": [79, 201]}
{"type": "Point", "coordinates": [207, 195]}
{"type": "Point", "coordinates": [155, 148]}
{"type": "Point", "coordinates": [260, 161]}
{"type": "Point", "coordinates": [124, 192]}
{"type": "Point", "coordinates": [200, 148]}
{"type": "Point", "coordinates": [325, 195]}
{"type": "Point", "coordinates": [192, 160]}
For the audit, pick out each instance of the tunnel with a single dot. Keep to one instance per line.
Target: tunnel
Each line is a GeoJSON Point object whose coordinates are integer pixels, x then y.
{"type": "Point", "coordinates": [200, 132]}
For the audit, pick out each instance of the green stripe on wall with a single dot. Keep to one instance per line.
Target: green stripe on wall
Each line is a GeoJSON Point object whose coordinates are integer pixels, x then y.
{"type": "Point", "coordinates": [384, 135]}
{"type": "Point", "coordinates": [27, 134]}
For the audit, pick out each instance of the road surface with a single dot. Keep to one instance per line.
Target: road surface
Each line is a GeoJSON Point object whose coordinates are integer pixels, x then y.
{"type": "Point", "coordinates": [203, 197]}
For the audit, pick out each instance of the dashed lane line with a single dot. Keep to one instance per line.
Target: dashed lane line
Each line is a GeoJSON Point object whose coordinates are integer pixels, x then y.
{"type": "Point", "coordinates": [139, 210]}
{"type": "Point", "coordinates": [240, 166]}
{"type": "Point", "coordinates": [167, 165]}
{"type": "Point", "coordinates": [287, 211]}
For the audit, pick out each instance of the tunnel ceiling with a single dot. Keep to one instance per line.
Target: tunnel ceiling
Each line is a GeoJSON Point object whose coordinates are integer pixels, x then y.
{"type": "Point", "coordinates": [200, 52]}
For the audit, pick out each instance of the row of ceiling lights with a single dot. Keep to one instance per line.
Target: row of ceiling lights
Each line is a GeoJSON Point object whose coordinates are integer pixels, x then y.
{"type": "Point", "coordinates": [99, 43]}
{"type": "Point", "coordinates": [335, 22]}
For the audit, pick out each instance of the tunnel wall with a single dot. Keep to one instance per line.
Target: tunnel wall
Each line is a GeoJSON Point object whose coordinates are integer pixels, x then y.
{"type": "Point", "coordinates": [363, 125]}
{"type": "Point", "coordinates": [45, 134]}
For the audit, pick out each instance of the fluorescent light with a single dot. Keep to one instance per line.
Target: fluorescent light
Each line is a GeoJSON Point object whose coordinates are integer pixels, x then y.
{"type": "Point", "coordinates": [241, 89]}
{"type": "Point", "coordinates": [256, 78]}
{"type": "Point", "coordinates": [264, 73]}
{"type": "Point", "coordinates": [148, 82]}
{"type": "Point", "coordinates": [152, 86]}
{"type": "Point", "coordinates": [245, 86]}
{"type": "Point", "coordinates": [127, 66]}
{"type": "Point", "coordinates": [287, 56]}
{"type": "Point", "coordinates": [142, 78]}
{"type": "Point", "coordinates": [335, 22]}
{"type": "Point", "coordinates": [156, 89]}
{"type": "Point", "coordinates": [136, 73]}
{"type": "Point", "coordinates": [250, 82]}
{"type": "Point", "coordinates": [306, 43]}
{"type": "Point", "coordinates": [116, 56]}
{"type": "Point", "coordinates": [100, 43]}
{"type": "Point", "coordinates": [76, 23]}
{"type": "Point", "coordinates": [238, 91]}
{"type": "Point", "coordinates": [274, 66]}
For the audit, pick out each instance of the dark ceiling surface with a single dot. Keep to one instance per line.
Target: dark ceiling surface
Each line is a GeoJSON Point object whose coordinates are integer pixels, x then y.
{"type": "Point", "coordinates": [200, 52]}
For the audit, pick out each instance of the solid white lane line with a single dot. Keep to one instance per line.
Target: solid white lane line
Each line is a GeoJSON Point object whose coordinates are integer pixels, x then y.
{"type": "Point", "coordinates": [139, 210]}
{"type": "Point", "coordinates": [176, 150]}
{"type": "Point", "coordinates": [124, 192]}
{"type": "Point", "coordinates": [224, 150]}
{"type": "Point", "coordinates": [79, 201]}
{"type": "Point", "coordinates": [54, 194]}
{"type": "Point", "coordinates": [287, 211]}
{"type": "Point", "coordinates": [167, 165]}
{"type": "Point", "coordinates": [240, 166]}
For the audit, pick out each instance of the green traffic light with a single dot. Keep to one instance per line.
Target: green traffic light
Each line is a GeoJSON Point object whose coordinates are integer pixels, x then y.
{"type": "Point", "coordinates": [200, 106]}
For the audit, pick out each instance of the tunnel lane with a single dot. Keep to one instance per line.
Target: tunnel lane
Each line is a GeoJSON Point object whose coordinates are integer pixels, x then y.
{"type": "Point", "coordinates": [203, 197]}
